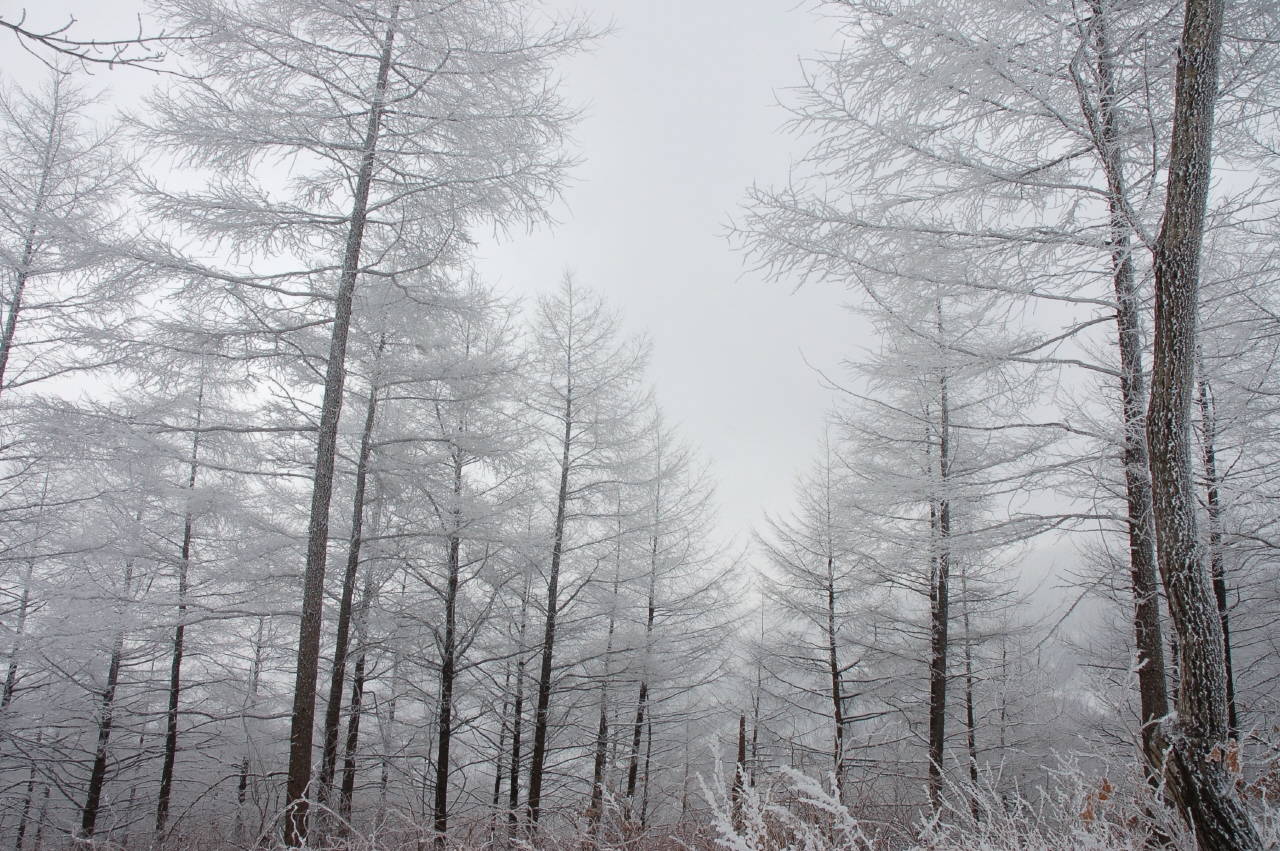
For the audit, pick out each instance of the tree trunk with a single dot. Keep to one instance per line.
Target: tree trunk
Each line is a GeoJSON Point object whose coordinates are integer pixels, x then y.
{"type": "Point", "coordinates": [24, 606]}
{"type": "Point", "coordinates": [1148, 640]}
{"type": "Point", "coordinates": [542, 716]}
{"type": "Point", "coordinates": [939, 594]}
{"type": "Point", "coordinates": [98, 776]}
{"type": "Point", "coordinates": [304, 694]}
{"type": "Point", "coordinates": [502, 749]}
{"type": "Point", "coordinates": [643, 699]}
{"type": "Point", "coordinates": [28, 798]}
{"type": "Point", "coordinates": [333, 710]}
{"type": "Point", "coordinates": [517, 715]}
{"type": "Point", "coordinates": [179, 635]}
{"type": "Point", "coordinates": [1217, 568]}
{"type": "Point", "coordinates": [739, 775]}
{"type": "Point", "coordinates": [357, 703]}
{"type": "Point", "coordinates": [251, 697]}
{"type": "Point", "coordinates": [448, 662]}
{"type": "Point", "coordinates": [833, 663]}
{"type": "Point", "coordinates": [596, 809]}
{"type": "Point", "coordinates": [1191, 744]}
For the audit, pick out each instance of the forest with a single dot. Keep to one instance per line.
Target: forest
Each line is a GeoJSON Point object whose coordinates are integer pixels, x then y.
{"type": "Point", "coordinates": [313, 536]}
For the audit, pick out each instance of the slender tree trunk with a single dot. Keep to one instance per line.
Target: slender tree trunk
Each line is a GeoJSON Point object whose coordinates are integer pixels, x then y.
{"type": "Point", "coordinates": [304, 694]}
{"type": "Point", "coordinates": [596, 809]}
{"type": "Point", "coordinates": [1192, 744]}
{"type": "Point", "coordinates": [517, 715]}
{"type": "Point", "coordinates": [1148, 640]}
{"type": "Point", "coordinates": [642, 702]}
{"type": "Point", "coordinates": [448, 662]}
{"type": "Point", "coordinates": [250, 700]}
{"type": "Point", "coordinates": [502, 750]}
{"type": "Point", "coordinates": [939, 593]}
{"type": "Point", "coordinates": [971, 729]}
{"type": "Point", "coordinates": [98, 776]}
{"type": "Point", "coordinates": [333, 710]}
{"type": "Point", "coordinates": [1217, 568]}
{"type": "Point", "coordinates": [179, 634]}
{"type": "Point", "coordinates": [28, 799]}
{"type": "Point", "coordinates": [24, 606]}
{"type": "Point", "coordinates": [542, 716]}
{"type": "Point", "coordinates": [648, 753]}
{"type": "Point", "coordinates": [739, 775]}
{"type": "Point", "coordinates": [357, 702]}
{"type": "Point", "coordinates": [833, 663]}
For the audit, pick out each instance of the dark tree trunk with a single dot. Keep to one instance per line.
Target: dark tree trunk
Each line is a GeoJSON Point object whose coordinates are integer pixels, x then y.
{"type": "Point", "coordinates": [251, 696]}
{"type": "Point", "coordinates": [1148, 639]}
{"type": "Point", "coordinates": [304, 694]}
{"type": "Point", "coordinates": [179, 635]}
{"type": "Point", "coordinates": [28, 799]}
{"type": "Point", "coordinates": [642, 702]}
{"type": "Point", "coordinates": [448, 662]}
{"type": "Point", "coordinates": [24, 606]}
{"type": "Point", "coordinates": [502, 750]}
{"type": "Point", "coordinates": [542, 715]}
{"type": "Point", "coordinates": [939, 598]}
{"type": "Point", "coordinates": [1217, 568]}
{"type": "Point", "coordinates": [739, 775]}
{"type": "Point", "coordinates": [357, 703]}
{"type": "Point", "coordinates": [833, 663]}
{"type": "Point", "coordinates": [517, 715]}
{"type": "Point", "coordinates": [98, 776]}
{"type": "Point", "coordinates": [595, 810]}
{"type": "Point", "coordinates": [1191, 744]}
{"type": "Point", "coordinates": [333, 710]}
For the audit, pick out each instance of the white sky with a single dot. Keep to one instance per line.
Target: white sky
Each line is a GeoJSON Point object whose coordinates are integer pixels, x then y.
{"type": "Point", "coordinates": [681, 118]}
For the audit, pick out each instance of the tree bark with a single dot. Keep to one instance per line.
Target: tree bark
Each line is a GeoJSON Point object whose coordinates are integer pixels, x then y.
{"type": "Point", "coordinates": [833, 662]}
{"type": "Point", "coordinates": [179, 634]}
{"type": "Point", "coordinates": [939, 593]}
{"type": "Point", "coordinates": [357, 703]}
{"type": "Point", "coordinates": [304, 693]}
{"type": "Point", "coordinates": [542, 715]}
{"type": "Point", "coordinates": [448, 662]}
{"type": "Point", "coordinates": [1217, 567]}
{"type": "Point", "coordinates": [1192, 745]}
{"type": "Point", "coordinates": [517, 715]}
{"type": "Point", "coordinates": [333, 710]}
{"type": "Point", "coordinates": [98, 775]}
{"type": "Point", "coordinates": [1144, 581]}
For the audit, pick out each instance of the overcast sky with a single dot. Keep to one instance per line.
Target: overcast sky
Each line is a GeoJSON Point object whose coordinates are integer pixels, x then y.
{"type": "Point", "coordinates": [680, 118]}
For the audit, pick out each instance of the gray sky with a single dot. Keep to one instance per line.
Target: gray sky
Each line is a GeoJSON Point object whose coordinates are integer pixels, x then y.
{"type": "Point", "coordinates": [681, 118]}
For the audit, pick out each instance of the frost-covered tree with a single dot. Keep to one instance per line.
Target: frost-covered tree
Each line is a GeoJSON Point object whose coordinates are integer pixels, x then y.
{"type": "Point", "coordinates": [403, 124]}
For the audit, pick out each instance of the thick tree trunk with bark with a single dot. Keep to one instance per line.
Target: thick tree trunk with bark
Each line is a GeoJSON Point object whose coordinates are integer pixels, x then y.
{"type": "Point", "coordinates": [1217, 567]}
{"type": "Point", "coordinates": [1144, 579]}
{"type": "Point", "coordinates": [333, 710]}
{"type": "Point", "coordinates": [304, 694]}
{"type": "Point", "coordinates": [1192, 745]}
